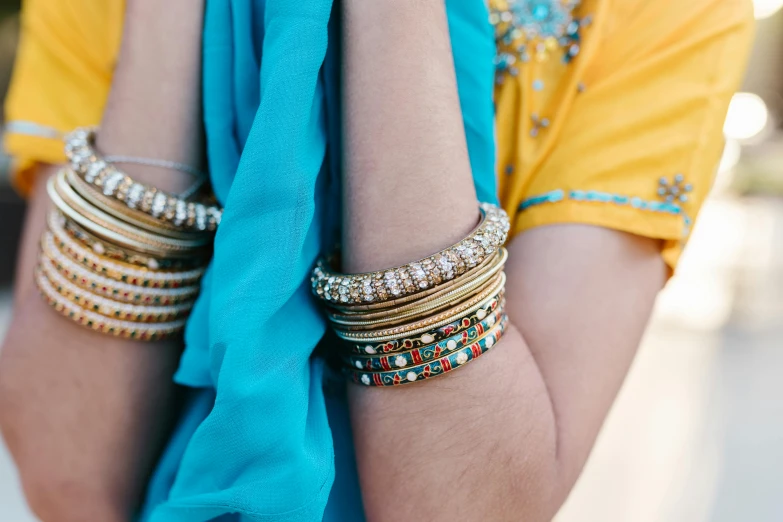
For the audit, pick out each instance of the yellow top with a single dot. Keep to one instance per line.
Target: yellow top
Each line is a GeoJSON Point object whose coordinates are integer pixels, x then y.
{"type": "Point", "coordinates": [634, 118]}
{"type": "Point", "coordinates": [608, 111]}
{"type": "Point", "coordinates": [61, 78]}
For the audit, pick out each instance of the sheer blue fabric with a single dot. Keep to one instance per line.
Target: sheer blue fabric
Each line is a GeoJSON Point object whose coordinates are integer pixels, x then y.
{"type": "Point", "coordinates": [259, 440]}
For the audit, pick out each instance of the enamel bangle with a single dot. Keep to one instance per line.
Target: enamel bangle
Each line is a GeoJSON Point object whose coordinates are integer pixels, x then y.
{"type": "Point", "coordinates": [110, 288]}
{"type": "Point", "coordinates": [435, 368]}
{"type": "Point", "coordinates": [108, 249]}
{"type": "Point", "coordinates": [409, 342]}
{"type": "Point", "coordinates": [124, 272]}
{"type": "Point", "coordinates": [427, 353]}
{"type": "Point", "coordinates": [414, 278]}
{"type": "Point", "coordinates": [108, 307]}
{"type": "Point", "coordinates": [99, 323]}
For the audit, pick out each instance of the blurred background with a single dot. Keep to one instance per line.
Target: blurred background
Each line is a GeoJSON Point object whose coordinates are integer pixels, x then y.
{"type": "Point", "coordinates": [697, 431]}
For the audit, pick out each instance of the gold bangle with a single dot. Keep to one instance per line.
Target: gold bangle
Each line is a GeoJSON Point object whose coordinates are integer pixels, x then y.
{"type": "Point", "coordinates": [112, 251]}
{"type": "Point", "coordinates": [419, 276]}
{"type": "Point", "coordinates": [99, 323]}
{"type": "Point", "coordinates": [138, 197]}
{"type": "Point", "coordinates": [119, 210]}
{"type": "Point", "coordinates": [109, 307]}
{"type": "Point", "coordinates": [124, 272]}
{"type": "Point", "coordinates": [434, 321]}
{"type": "Point", "coordinates": [102, 224]}
{"type": "Point", "coordinates": [110, 288]}
{"type": "Point", "coordinates": [426, 306]}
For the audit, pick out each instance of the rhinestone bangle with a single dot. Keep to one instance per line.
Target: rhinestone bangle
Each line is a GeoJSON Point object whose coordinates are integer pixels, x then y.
{"type": "Point", "coordinates": [138, 197]}
{"type": "Point", "coordinates": [117, 209]}
{"type": "Point", "coordinates": [99, 323]}
{"type": "Point", "coordinates": [450, 362]}
{"type": "Point", "coordinates": [415, 278]}
{"type": "Point", "coordinates": [109, 307]}
{"type": "Point", "coordinates": [431, 305]}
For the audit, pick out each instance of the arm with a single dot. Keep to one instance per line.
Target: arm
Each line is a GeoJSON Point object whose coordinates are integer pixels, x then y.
{"type": "Point", "coordinates": [505, 438]}
{"type": "Point", "coordinates": [85, 415]}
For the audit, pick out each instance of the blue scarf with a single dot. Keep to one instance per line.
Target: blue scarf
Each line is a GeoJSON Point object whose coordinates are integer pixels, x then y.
{"type": "Point", "coordinates": [258, 439]}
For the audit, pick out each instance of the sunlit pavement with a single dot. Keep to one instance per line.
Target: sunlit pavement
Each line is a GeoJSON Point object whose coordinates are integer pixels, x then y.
{"type": "Point", "coordinates": [697, 432]}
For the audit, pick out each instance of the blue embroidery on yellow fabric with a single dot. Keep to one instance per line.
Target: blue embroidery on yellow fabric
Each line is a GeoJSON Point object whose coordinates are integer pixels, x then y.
{"type": "Point", "coordinates": [528, 30]}
{"type": "Point", "coordinates": [672, 193]}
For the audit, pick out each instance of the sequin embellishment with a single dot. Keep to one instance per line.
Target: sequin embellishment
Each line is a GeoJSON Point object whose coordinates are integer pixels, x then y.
{"type": "Point", "coordinates": [528, 30]}
{"type": "Point", "coordinates": [672, 193]}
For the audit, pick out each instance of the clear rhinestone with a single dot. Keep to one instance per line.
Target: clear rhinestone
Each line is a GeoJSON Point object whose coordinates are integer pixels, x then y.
{"type": "Point", "coordinates": [94, 170]}
{"type": "Point", "coordinates": [158, 204]}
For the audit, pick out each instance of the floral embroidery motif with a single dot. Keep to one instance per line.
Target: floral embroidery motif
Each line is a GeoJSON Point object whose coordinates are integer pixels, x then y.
{"type": "Point", "coordinates": [528, 30]}
{"type": "Point", "coordinates": [673, 194]}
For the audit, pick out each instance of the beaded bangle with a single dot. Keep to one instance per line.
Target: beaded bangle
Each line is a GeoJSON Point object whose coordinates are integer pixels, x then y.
{"type": "Point", "coordinates": [414, 278]}
{"type": "Point", "coordinates": [124, 272]}
{"type": "Point", "coordinates": [138, 197]}
{"type": "Point", "coordinates": [99, 323]}
{"type": "Point", "coordinates": [110, 288]}
{"type": "Point", "coordinates": [426, 353]}
{"type": "Point", "coordinates": [118, 209]}
{"type": "Point", "coordinates": [422, 308]}
{"type": "Point", "coordinates": [107, 249]}
{"type": "Point", "coordinates": [431, 322]}
{"type": "Point", "coordinates": [91, 218]}
{"type": "Point", "coordinates": [109, 307]}
{"type": "Point", "coordinates": [440, 366]}
{"type": "Point", "coordinates": [429, 336]}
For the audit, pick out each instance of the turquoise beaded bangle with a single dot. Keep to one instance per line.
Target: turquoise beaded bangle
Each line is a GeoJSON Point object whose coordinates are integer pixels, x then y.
{"type": "Point", "coordinates": [440, 366]}
{"type": "Point", "coordinates": [431, 336]}
{"type": "Point", "coordinates": [426, 353]}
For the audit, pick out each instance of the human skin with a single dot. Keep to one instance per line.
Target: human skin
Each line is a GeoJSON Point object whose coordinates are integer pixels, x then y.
{"type": "Point", "coordinates": [85, 415]}
{"type": "Point", "coordinates": [520, 421]}
{"type": "Point", "coordinates": [505, 438]}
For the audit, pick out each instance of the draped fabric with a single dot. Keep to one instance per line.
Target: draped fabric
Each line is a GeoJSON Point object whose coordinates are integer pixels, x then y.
{"type": "Point", "coordinates": [258, 439]}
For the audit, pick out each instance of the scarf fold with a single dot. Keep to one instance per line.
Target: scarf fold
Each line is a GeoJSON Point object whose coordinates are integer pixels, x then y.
{"type": "Point", "coordinates": [258, 440]}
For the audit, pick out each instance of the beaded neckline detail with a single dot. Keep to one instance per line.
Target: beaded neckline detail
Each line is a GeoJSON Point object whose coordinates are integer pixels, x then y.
{"type": "Point", "coordinates": [535, 30]}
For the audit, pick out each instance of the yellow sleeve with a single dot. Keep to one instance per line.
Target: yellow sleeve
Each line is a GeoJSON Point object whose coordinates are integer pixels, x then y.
{"type": "Point", "coordinates": [639, 145]}
{"type": "Point", "coordinates": [61, 77]}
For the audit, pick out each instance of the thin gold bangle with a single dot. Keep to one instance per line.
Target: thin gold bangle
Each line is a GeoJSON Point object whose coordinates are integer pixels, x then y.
{"type": "Point", "coordinates": [430, 305]}
{"type": "Point", "coordinates": [111, 229]}
{"type": "Point", "coordinates": [416, 314]}
{"type": "Point", "coordinates": [429, 323]}
{"type": "Point", "coordinates": [117, 209]}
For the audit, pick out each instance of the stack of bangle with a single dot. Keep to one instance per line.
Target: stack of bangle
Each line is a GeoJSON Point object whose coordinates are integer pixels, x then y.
{"type": "Point", "coordinates": [423, 319]}
{"type": "Point", "coordinates": [115, 258]}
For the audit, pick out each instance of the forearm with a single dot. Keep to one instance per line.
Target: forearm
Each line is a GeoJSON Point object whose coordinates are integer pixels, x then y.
{"type": "Point", "coordinates": [409, 193]}
{"type": "Point", "coordinates": [85, 414]}
{"type": "Point", "coordinates": [154, 108]}
{"type": "Point", "coordinates": [408, 189]}
{"type": "Point", "coordinates": [504, 438]}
